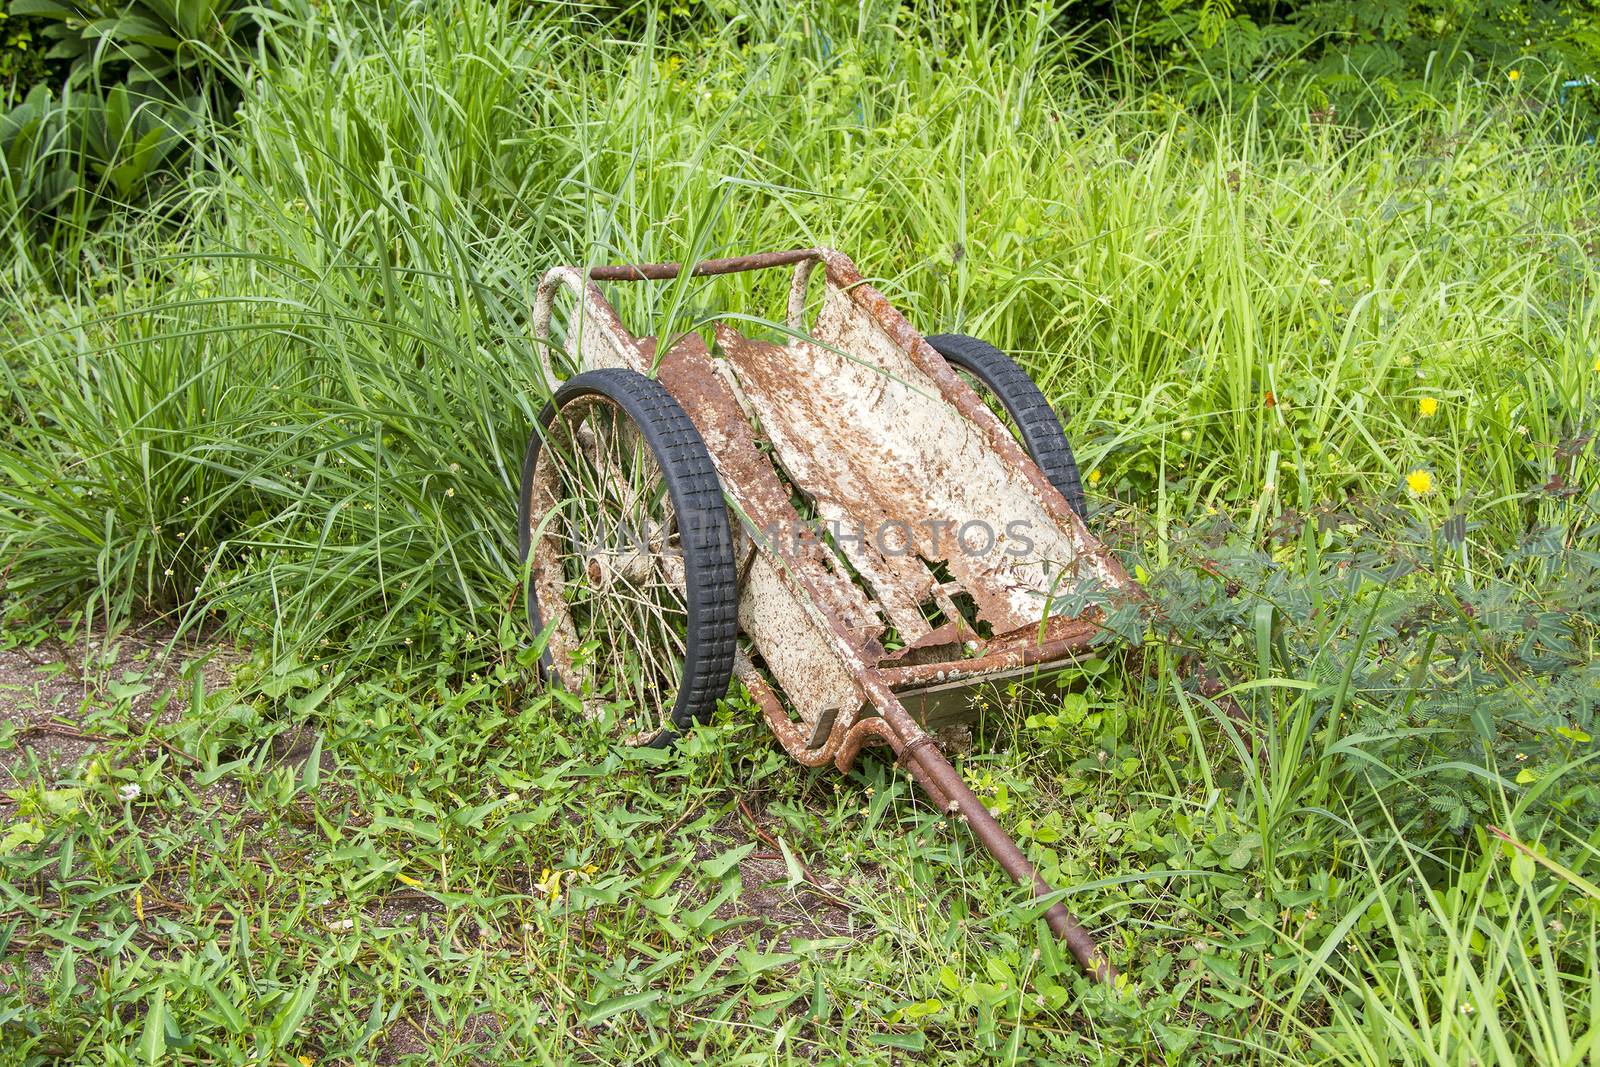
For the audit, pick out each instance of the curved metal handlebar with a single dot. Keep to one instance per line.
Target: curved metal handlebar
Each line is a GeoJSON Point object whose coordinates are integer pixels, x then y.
{"type": "Point", "coordinates": [661, 272]}
{"type": "Point", "coordinates": [575, 279]}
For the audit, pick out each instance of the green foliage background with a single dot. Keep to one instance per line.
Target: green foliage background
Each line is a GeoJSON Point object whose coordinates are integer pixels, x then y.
{"type": "Point", "coordinates": [22, 62]}
{"type": "Point", "coordinates": [1396, 47]}
{"type": "Point", "coordinates": [180, 59]}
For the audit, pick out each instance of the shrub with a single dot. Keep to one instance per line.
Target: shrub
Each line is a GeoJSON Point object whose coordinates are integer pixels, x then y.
{"type": "Point", "coordinates": [1399, 47]}
{"type": "Point", "coordinates": [182, 46]}
{"type": "Point", "coordinates": [1439, 686]}
{"type": "Point", "coordinates": [136, 79]}
{"type": "Point", "coordinates": [22, 57]}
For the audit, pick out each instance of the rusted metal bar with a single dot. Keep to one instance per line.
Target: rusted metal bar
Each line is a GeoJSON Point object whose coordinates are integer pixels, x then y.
{"type": "Point", "coordinates": [963, 802]}
{"type": "Point", "coordinates": [920, 755]}
{"type": "Point", "coordinates": [1053, 649]}
{"type": "Point", "coordinates": [660, 272]}
{"type": "Point", "coordinates": [865, 730]}
{"type": "Point", "coordinates": [788, 733]}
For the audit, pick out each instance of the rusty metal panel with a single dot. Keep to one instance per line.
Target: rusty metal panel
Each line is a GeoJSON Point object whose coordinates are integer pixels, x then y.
{"type": "Point", "coordinates": [845, 281]}
{"type": "Point", "coordinates": [799, 655]}
{"type": "Point", "coordinates": [873, 441]}
{"type": "Point", "coordinates": [899, 584]}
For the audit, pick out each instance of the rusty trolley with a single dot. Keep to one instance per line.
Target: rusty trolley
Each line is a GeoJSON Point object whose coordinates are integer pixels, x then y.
{"type": "Point", "coordinates": [860, 523]}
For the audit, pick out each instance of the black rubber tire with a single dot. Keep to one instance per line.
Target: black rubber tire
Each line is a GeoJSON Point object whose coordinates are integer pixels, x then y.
{"type": "Point", "coordinates": [710, 578]}
{"type": "Point", "coordinates": [1036, 421]}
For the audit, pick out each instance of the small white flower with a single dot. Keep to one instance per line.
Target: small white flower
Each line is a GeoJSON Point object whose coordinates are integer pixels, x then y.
{"type": "Point", "coordinates": [130, 791]}
{"type": "Point", "coordinates": [341, 924]}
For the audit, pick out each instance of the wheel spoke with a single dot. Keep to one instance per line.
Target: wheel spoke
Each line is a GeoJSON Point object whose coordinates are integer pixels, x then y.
{"type": "Point", "coordinates": [614, 542]}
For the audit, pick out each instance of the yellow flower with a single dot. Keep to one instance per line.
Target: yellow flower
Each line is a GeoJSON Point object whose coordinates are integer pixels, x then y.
{"type": "Point", "coordinates": [1427, 407]}
{"type": "Point", "coordinates": [1513, 75]}
{"type": "Point", "coordinates": [550, 882]}
{"type": "Point", "coordinates": [1419, 483]}
{"type": "Point", "coordinates": [1597, 366]}
{"type": "Point", "coordinates": [1094, 475]}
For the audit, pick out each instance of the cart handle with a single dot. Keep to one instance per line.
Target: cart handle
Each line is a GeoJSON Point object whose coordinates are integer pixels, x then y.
{"type": "Point", "coordinates": [804, 259]}
{"type": "Point", "coordinates": [661, 272]}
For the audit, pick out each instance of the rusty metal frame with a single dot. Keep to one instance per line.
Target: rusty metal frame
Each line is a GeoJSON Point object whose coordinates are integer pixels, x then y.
{"type": "Point", "coordinates": [816, 613]}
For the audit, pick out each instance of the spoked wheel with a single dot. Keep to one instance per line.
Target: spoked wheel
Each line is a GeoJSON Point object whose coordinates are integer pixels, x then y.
{"type": "Point", "coordinates": [632, 567]}
{"type": "Point", "coordinates": [1028, 415]}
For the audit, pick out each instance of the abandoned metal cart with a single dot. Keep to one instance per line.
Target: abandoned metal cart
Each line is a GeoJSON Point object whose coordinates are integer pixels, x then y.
{"type": "Point", "coordinates": [862, 524]}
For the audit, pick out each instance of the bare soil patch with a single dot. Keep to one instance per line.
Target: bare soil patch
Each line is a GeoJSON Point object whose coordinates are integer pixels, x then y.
{"type": "Point", "coordinates": [47, 691]}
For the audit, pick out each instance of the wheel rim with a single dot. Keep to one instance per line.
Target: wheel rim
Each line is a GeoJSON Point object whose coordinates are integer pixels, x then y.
{"type": "Point", "coordinates": [608, 568]}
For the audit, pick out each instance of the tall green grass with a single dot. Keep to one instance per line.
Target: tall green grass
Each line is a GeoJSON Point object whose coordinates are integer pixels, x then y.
{"type": "Point", "coordinates": [302, 412]}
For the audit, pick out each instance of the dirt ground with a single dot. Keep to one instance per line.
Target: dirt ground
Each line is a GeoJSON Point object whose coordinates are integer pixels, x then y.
{"type": "Point", "coordinates": [48, 690]}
